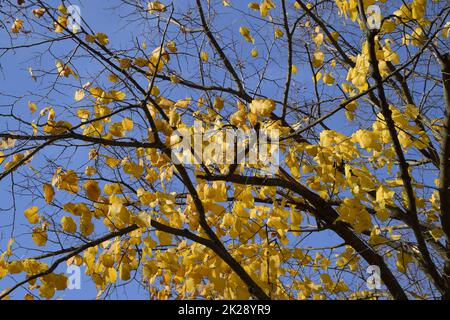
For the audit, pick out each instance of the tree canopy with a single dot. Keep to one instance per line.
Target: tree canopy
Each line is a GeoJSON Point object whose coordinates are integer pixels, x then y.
{"type": "Point", "coordinates": [354, 177]}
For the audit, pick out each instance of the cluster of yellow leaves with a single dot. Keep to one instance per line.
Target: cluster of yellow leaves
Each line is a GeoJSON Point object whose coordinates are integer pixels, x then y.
{"type": "Point", "coordinates": [103, 270]}
{"type": "Point", "coordinates": [66, 181]}
{"type": "Point", "coordinates": [414, 10]}
{"type": "Point", "coordinates": [158, 58]}
{"type": "Point", "coordinates": [246, 34]}
{"type": "Point", "coordinates": [38, 12]}
{"type": "Point", "coordinates": [349, 8]}
{"type": "Point", "coordinates": [39, 235]}
{"type": "Point", "coordinates": [358, 74]}
{"type": "Point", "coordinates": [81, 210]}
{"type": "Point", "coordinates": [106, 97]}
{"type": "Point", "coordinates": [61, 21]}
{"type": "Point", "coordinates": [30, 266]}
{"type": "Point", "coordinates": [262, 107]}
{"type": "Point", "coordinates": [64, 70]}
{"type": "Point", "coordinates": [156, 6]}
{"type": "Point", "coordinates": [185, 266]}
{"type": "Point", "coordinates": [354, 213]}
{"type": "Point", "coordinates": [132, 168]}
{"type": "Point", "coordinates": [99, 36]}
{"type": "Point", "coordinates": [367, 139]}
{"type": "Point", "coordinates": [16, 159]}
{"type": "Point", "coordinates": [51, 283]}
{"type": "Point", "coordinates": [17, 25]}
{"type": "Point", "coordinates": [118, 129]}
{"type": "Point", "coordinates": [348, 258]}
{"type": "Point", "coordinates": [56, 127]}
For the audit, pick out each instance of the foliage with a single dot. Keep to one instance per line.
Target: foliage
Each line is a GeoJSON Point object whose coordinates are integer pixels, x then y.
{"type": "Point", "coordinates": [364, 175]}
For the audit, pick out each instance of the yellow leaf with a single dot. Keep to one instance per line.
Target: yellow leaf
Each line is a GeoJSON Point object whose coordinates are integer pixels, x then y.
{"type": "Point", "coordinates": [262, 107]}
{"type": "Point", "coordinates": [49, 193]}
{"type": "Point", "coordinates": [446, 30]}
{"type": "Point", "coordinates": [79, 95]}
{"type": "Point", "coordinates": [265, 6]}
{"type": "Point", "coordinates": [318, 58]}
{"type": "Point", "coordinates": [102, 38]}
{"type": "Point", "coordinates": [83, 114]}
{"type": "Point", "coordinates": [32, 214]}
{"type": "Point", "coordinates": [328, 79]}
{"type": "Point", "coordinates": [86, 225]}
{"type": "Point", "coordinates": [174, 118]}
{"type": "Point", "coordinates": [32, 106]}
{"type": "Point", "coordinates": [116, 129]}
{"type": "Point", "coordinates": [111, 162]}
{"type": "Point", "coordinates": [68, 181]}
{"type": "Point", "coordinates": [117, 95]}
{"type": "Point", "coordinates": [141, 62]}
{"type": "Point", "coordinates": [15, 267]}
{"type": "Point", "coordinates": [127, 124]}
{"type": "Point", "coordinates": [124, 271]}
{"type": "Point", "coordinates": [124, 63]}
{"type": "Point", "coordinates": [68, 224]}
{"type": "Point", "coordinates": [17, 25]}
{"type": "Point", "coordinates": [133, 169]}
{"type": "Point", "coordinates": [253, 5]}
{"type": "Point", "coordinates": [64, 70]}
{"type": "Point", "coordinates": [92, 190]}
{"type": "Point", "coordinates": [218, 103]}
{"type": "Point", "coordinates": [90, 171]}
{"type": "Point", "coordinates": [113, 78]}
{"type": "Point", "coordinates": [384, 196]}
{"type": "Point", "coordinates": [184, 103]}
{"type": "Point", "coordinates": [156, 6]}
{"type": "Point", "coordinates": [204, 56]}
{"type": "Point", "coordinates": [164, 238]}
{"type": "Point", "coordinates": [246, 34]}
{"type": "Point", "coordinates": [28, 297]}
{"type": "Point", "coordinates": [62, 9]}
{"type": "Point", "coordinates": [90, 38]}
{"type": "Point", "coordinates": [46, 291]}
{"type": "Point", "coordinates": [418, 9]}
{"type": "Point", "coordinates": [112, 275]}
{"type": "Point", "coordinates": [294, 69]}
{"type": "Point", "coordinates": [278, 33]}
{"type": "Point", "coordinates": [38, 12]}
{"type": "Point", "coordinates": [39, 236]}
{"type": "Point", "coordinates": [367, 139]}
{"type": "Point", "coordinates": [403, 259]}
{"type": "Point", "coordinates": [172, 46]}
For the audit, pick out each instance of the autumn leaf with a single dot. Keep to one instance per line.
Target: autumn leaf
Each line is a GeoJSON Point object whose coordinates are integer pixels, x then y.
{"type": "Point", "coordinates": [32, 215]}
